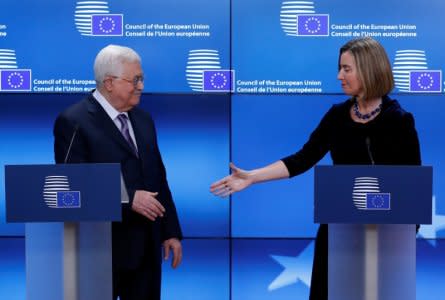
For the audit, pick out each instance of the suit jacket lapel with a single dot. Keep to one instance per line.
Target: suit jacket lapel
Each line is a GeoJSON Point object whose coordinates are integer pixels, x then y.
{"type": "Point", "coordinates": [104, 122]}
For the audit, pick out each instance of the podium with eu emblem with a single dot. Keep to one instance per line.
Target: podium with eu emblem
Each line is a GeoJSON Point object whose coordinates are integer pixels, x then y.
{"type": "Point", "coordinates": [372, 212]}
{"type": "Point", "coordinates": [67, 210]}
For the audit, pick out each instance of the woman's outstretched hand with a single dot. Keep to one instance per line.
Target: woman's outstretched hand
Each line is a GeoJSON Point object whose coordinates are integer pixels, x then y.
{"type": "Point", "coordinates": [235, 182]}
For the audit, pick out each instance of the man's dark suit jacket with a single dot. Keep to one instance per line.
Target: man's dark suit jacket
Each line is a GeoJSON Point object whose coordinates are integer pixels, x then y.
{"type": "Point", "coordinates": [98, 140]}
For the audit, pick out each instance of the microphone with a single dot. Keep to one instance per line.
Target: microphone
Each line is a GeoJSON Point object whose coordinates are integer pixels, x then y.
{"type": "Point", "coordinates": [71, 144]}
{"type": "Point", "coordinates": [368, 147]}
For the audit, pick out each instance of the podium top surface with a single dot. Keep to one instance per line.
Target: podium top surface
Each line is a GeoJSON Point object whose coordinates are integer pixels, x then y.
{"type": "Point", "coordinates": [63, 192]}
{"type": "Point", "coordinates": [373, 194]}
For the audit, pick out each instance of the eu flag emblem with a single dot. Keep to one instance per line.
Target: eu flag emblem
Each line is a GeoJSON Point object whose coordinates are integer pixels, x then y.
{"type": "Point", "coordinates": [107, 25]}
{"type": "Point", "coordinates": [425, 81]}
{"type": "Point", "coordinates": [15, 80]}
{"type": "Point", "coordinates": [68, 199]}
{"type": "Point", "coordinates": [313, 25]}
{"type": "Point", "coordinates": [378, 201]}
{"type": "Point", "coordinates": [218, 80]}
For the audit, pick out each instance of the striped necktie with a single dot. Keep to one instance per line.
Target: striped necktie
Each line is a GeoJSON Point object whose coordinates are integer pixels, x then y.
{"type": "Point", "coordinates": [123, 119]}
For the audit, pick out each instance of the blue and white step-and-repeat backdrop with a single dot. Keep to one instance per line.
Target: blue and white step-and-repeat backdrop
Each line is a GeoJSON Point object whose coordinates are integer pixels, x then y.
{"type": "Point", "coordinates": [51, 45]}
{"type": "Point", "coordinates": [226, 80]}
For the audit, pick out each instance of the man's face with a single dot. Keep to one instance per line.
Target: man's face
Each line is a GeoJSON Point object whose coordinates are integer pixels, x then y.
{"type": "Point", "coordinates": [124, 93]}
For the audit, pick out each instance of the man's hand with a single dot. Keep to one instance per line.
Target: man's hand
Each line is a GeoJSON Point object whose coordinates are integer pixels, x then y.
{"type": "Point", "coordinates": [146, 204]}
{"type": "Point", "coordinates": [174, 245]}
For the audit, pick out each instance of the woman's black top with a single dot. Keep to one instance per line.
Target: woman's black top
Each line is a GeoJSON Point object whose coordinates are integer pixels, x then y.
{"type": "Point", "coordinates": [392, 139]}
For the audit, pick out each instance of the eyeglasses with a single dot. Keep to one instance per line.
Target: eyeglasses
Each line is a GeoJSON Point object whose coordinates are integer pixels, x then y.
{"type": "Point", "coordinates": [133, 81]}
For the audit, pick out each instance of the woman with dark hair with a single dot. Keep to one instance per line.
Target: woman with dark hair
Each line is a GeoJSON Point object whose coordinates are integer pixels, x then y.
{"type": "Point", "coordinates": [368, 121]}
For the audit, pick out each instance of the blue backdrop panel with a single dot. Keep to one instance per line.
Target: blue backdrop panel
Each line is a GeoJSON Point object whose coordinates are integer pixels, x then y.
{"type": "Point", "coordinates": [279, 50]}
{"type": "Point", "coordinates": [430, 269]}
{"type": "Point", "coordinates": [271, 269]}
{"type": "Point", "coordinates": [26, 128]}
{"type": "Point", "coordinates": [204, 273]}
{"type": "Point", "coordinates": [256, 264]}
{"type": "Point", "coordinates": [265, 129]}
{"type": "Point", "coordinates": [12, 270]}
{"type": "Point", "coordinates": [163, 32]}
{"type": "Point", "coordinates": [193, 134]}
{"type": "Point", "coordinates": [290, 120]}
{"type": "Point", "coordinates": [429, 128]}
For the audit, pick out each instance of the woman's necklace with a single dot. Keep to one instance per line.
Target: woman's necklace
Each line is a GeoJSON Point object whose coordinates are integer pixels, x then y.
{"type": "Point", "coordinates": [367, 116]}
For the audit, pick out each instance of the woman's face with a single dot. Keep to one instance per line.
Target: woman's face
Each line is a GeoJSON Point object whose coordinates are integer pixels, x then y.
{"type": "Point", "coordinates": [348, 75]}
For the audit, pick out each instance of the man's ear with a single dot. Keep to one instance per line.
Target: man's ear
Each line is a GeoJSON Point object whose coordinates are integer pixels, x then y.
{"type": "Point", "coordinates": [108, 84]}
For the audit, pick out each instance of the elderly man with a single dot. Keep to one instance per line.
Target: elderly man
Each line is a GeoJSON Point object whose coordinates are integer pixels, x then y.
{"type": "Point", "coordinates": [108, 127]}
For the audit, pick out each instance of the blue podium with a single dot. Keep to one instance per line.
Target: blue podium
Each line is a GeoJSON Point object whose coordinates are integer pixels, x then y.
{"type": "Point", "coordinates": [68, 209]}
{"type": "Point", "coordinates": [372, 212]}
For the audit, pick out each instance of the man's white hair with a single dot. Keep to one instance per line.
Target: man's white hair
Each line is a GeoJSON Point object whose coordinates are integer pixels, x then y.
{"type": "Point", "coordinates": [109, 61]}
